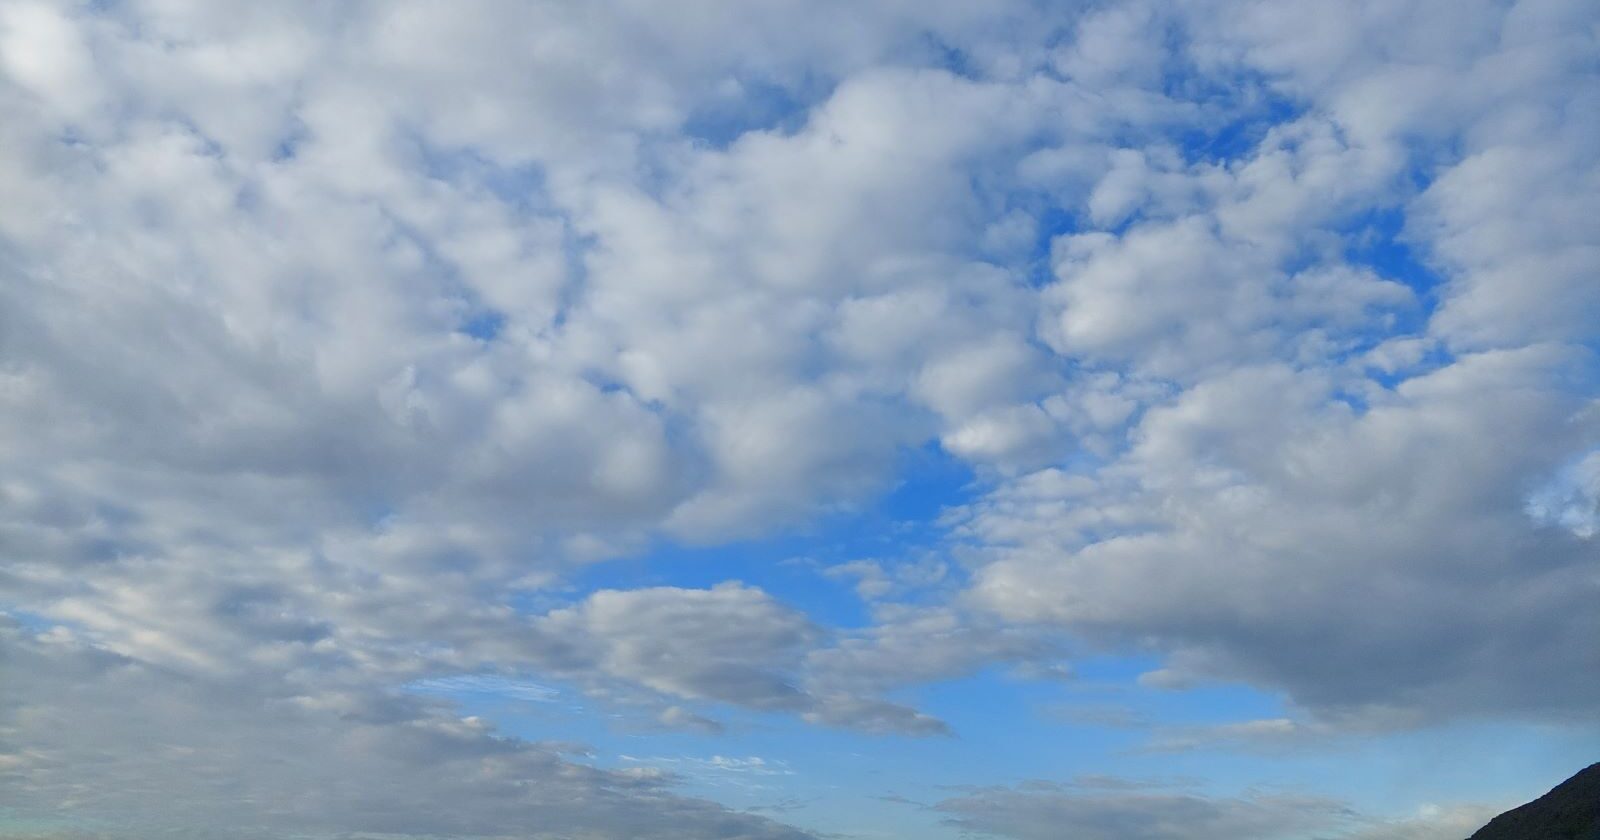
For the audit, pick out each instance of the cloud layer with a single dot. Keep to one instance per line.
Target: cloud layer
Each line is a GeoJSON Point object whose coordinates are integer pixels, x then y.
{"type": "Point", "coordinates": [336, 341]}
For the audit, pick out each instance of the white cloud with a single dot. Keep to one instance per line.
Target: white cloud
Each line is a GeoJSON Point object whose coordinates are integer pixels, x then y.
{"type": "Point", "coordinates": [46, 53]}
{"type": "Point", "coordinates": [1571, 499]}
{"type": "Point", "coordinates": [333, 337]}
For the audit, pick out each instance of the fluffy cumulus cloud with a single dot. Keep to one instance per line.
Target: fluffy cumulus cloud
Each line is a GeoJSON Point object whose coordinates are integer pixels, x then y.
{"type": "Point", "coordinates": [1340, 466]}
{"type": "Point", "coordinates": [336, 341]}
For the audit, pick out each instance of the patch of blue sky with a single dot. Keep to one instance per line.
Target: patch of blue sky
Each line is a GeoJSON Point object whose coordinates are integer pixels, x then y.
{"type": "Point", "coordinates": [1239, 135]}
{"type": "Point", "coordinates": [1235, 114]}
{"type": "Point", "coordinates": [1050, 222]}
{"type": "Point", "coordinates": [753, 105]}
{"type": "Point", "coordinates": [29, 621]}
{"type": "Point", "coordinates": [1239, 119]}
{"type": "Point", "coordinates": [483, 324]}
{"type": "Point", "coordinates": [1000, 720]}
{"type": "Point", "coordinates": [1103, 693]}
{"type": "Point", "coordinates": [941, 54]}
{"type": "Point", "coordinates": [828, 780]}
{"type": "Point", "coordinates": [901, 524]}
{"type": "Point", "coordinates": [521, 186]}
{"type": "Point", "coordinates": [289, 144]}
{"type": "Point", "coordinates": [1447, 764]}
{"type": "Point", "coordinates": [489, 686]}
{"type": "Point", "coordinates": [1376, 239]}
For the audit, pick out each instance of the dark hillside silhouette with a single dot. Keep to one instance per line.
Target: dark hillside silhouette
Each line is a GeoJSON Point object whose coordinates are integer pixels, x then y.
{"type": "Point", "coordinates": [1569, 812]}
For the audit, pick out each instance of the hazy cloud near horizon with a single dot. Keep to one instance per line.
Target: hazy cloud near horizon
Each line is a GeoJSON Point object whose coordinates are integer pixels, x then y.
{"type": "Point", "coordinates": [345, 346]}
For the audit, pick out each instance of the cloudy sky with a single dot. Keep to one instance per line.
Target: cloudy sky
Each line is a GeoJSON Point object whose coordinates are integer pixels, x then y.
{"type": "Point", "coordinates": [796, 419]}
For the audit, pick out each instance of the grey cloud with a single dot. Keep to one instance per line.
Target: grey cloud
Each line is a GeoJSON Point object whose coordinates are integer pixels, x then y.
{"type": "Point", "coordinates": [96, 740]}
{"type": "Point", "coordinates": [735, 645]}
{"type": "Point", "coordinates": [1041, 810]}
{"type": "Point", "coordinates": [1109, 808]}
{"type": "Point", "coordinates": [1368, 538]}
{"type": "Point", "coordinates": [677, 717]}
{"type": "Point", "coordinates": [328, 335]}
{"type": "Point", "coordinates": [731, 643]}
{"type": "Point", "coordinates": [910, 645]}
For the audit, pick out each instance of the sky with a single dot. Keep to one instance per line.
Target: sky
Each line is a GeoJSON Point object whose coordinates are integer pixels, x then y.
{"type": "Point", "coordinates": [796, 419]}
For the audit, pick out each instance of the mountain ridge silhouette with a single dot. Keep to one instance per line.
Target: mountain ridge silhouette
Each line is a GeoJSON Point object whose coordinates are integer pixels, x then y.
{"type": "Point", "coordinates": [1570, 811]}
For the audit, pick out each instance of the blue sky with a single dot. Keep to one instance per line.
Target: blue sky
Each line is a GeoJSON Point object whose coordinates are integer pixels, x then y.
{"type": "Point", "coordinates": [1008, 729]}
{"type": "Point", "coordinates": [1119, 420]}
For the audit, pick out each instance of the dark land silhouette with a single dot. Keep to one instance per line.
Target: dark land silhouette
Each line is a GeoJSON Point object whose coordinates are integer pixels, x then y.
{"type": "Point", "coordinates": [1569, 812]}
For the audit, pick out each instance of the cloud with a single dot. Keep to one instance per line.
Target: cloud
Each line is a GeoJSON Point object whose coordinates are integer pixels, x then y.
{"type": "Point", "coordinates": [731, 643]}
{"type": "Point", "coordinates": [1263, 507]}
{"type": "Point", "coordinates": [719, 765]}
{"type": "Point", "coordinates": [487, 685]}
{"type": "Point", "coordinates": [1041, 810]}
{"type": "Point", "coordinates": [736, 646]}
{"type": "Point", "coordinates": [1110, 807]}
{"type": "Point", "coordinates": [1257, 518]}
{"type": "Point", "coordinates": [258, 759]}
{"type": "Point", "coordinates": [677, 717]}
{"type": "Point", "coordinates": [334, 340]}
